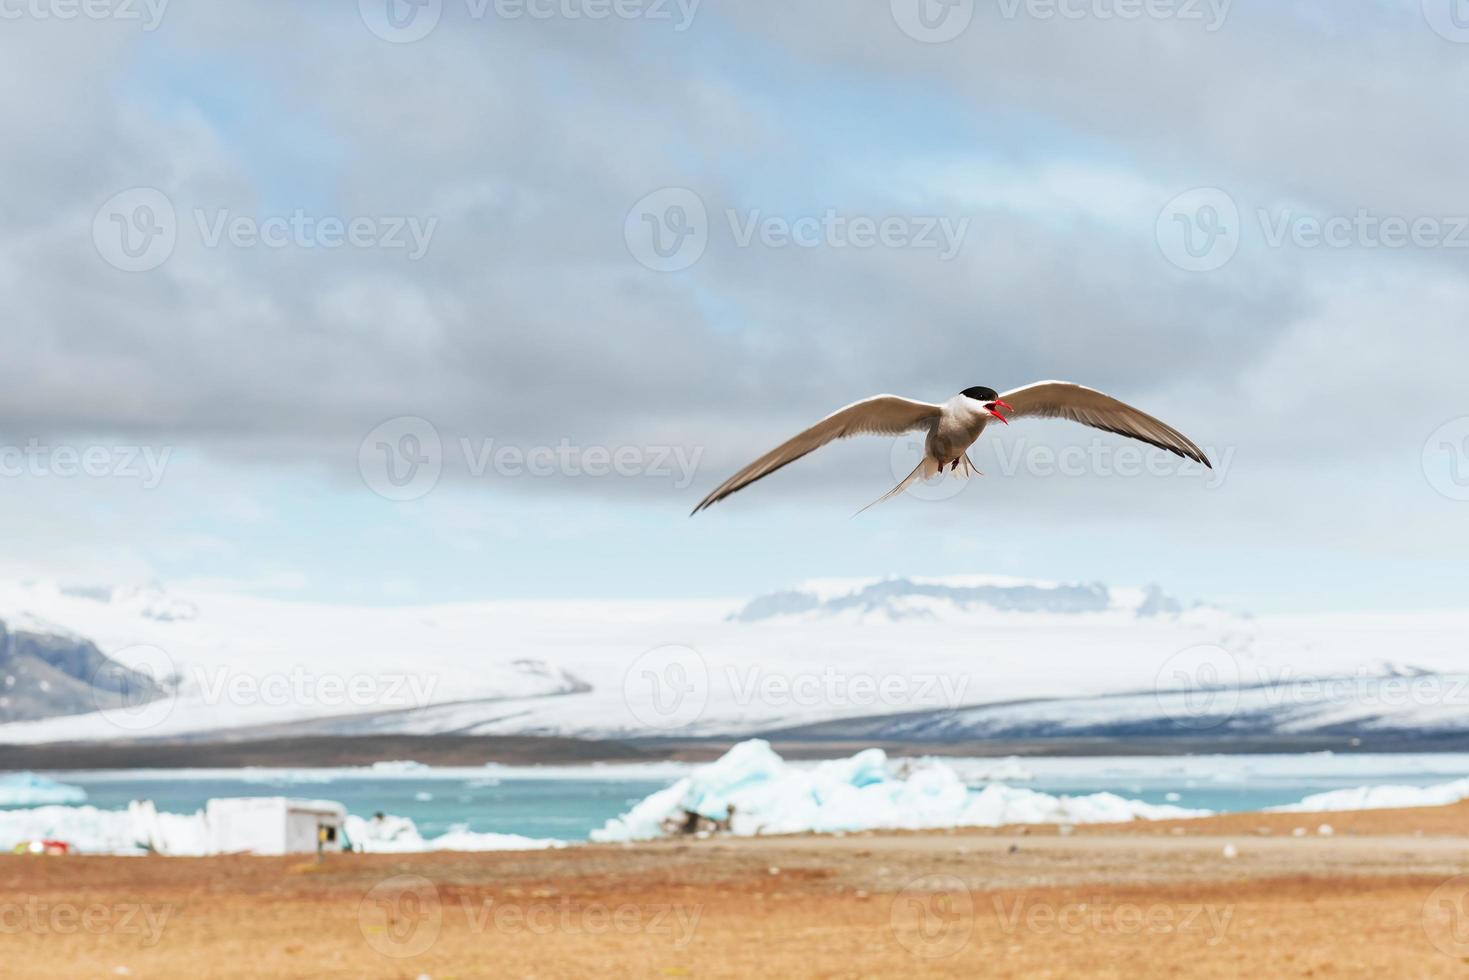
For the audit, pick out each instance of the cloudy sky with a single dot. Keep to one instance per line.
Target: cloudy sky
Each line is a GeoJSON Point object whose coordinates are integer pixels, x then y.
{"type": "Point", "coordinates": [393, 302]}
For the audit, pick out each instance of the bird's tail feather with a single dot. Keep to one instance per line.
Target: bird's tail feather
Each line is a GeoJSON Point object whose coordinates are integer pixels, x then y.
{"type": "Point", "coordinates": [925, 470]}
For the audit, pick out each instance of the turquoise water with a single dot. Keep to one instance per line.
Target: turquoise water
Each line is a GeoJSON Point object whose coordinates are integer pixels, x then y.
{"type": "Point", "coordinates": [569, 805]}
{"type": "Point", "coordinates": [566, 809]}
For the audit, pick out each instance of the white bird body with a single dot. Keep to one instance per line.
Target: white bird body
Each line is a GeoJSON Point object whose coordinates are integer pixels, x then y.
{"type": "Point", "coordinates": [959, 427]}
{"type": "Point", "coordinates": [952, 427]}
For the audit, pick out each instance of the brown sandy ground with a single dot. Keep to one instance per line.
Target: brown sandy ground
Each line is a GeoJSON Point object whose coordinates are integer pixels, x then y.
{"type": "Point", "coordinates": [1386, 894]}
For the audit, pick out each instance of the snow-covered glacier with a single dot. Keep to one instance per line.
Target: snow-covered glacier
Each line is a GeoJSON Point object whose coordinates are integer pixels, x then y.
{"type": "Point", "coordinates": [916, 659]}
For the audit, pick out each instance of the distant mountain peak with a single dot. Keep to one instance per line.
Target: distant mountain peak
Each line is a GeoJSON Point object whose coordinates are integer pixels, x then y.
{"type": "Point", "coordinates": [151, 602]}
{"type": "Point", "coordinates": [50, 672]}
{"type": "Point", "coordinates": [899, 598]}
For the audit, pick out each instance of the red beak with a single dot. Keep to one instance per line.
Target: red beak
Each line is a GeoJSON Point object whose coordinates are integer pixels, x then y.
{"type": "Point", "coordinates": [995, 407]}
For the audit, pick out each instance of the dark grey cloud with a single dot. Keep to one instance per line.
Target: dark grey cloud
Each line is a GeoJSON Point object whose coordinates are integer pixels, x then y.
{"type": "Point", "coordinates": [528, 141]}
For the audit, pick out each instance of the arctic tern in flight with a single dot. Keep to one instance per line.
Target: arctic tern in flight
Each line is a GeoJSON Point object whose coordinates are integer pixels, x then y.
{"type": "Point", "coordinates": [954, 426]}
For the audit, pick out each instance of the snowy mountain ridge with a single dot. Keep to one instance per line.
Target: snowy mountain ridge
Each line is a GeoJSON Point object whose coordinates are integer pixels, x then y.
{"type": "Point", "coordinates": [900, 598]}
{"type": "Point", "coordinates": [923, 658]}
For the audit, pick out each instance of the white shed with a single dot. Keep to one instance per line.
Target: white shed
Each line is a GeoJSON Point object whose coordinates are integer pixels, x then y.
{"type": "Point", "coordinates": [273, 825]}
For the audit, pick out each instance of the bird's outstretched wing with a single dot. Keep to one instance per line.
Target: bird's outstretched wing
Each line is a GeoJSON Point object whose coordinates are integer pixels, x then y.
{"type": "Point", "coordinates": [1064, 400]}
{"type": "Point", "coordinates": [878, 415]}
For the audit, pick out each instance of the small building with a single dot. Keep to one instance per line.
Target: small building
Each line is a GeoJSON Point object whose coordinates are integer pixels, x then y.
{"type": "Point", "coordinates": [274, 825]}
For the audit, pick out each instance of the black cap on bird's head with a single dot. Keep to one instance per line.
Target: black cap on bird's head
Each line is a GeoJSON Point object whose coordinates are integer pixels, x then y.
{"type": "Point", "coordinates": [990, 398]}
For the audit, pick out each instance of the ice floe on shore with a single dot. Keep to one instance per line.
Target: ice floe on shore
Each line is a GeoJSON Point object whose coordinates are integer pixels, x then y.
{"type": "Point", "coordinates": [1380, 798]}
{"type": "Point", "coordinates": [28, 789]}
{"type": "Point", "coordinates": [141, 829]}
{"type": "Point", "coordinates": [399, 835]}
{"type": "Point", "coordinates": [752, 790]}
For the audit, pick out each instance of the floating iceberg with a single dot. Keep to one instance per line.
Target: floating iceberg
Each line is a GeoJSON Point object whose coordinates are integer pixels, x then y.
{"type": "Point", "coordinates": [1007, 770]}
{"type": "Point", "coordinates": [28, 789]}
{"type": "Point", "coordinates": [399, 835]}
{"type": "Point", "coordinates": [1380, 798]}
{"type": "Point", "coordinates": [85, 828]}
{"type": "Point", "coordinates": [141, 829]}
{"type": "Point", "coordinates": [752, 790]}
{"type": "Point", "coordinates": [397, 767]}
